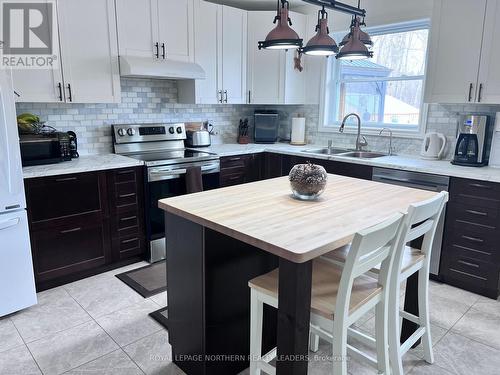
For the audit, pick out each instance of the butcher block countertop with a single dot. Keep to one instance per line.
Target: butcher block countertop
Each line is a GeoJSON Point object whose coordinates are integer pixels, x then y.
{"type": "Point", "coordinates": [264, 214]}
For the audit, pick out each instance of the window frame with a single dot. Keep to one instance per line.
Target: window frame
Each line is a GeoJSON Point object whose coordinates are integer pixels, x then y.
{"type": "Point", "coordinates": [331, 71]}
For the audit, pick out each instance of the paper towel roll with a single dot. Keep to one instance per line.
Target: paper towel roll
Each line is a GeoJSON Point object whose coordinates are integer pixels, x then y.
{"type": "Point", "coordinates": [495, 144]}
{"type": "Point", "coordinates": [298, 131]}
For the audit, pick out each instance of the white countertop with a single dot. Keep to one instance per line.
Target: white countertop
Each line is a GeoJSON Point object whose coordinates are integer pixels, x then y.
{"type": "Point", "coordinates": [87, 163]}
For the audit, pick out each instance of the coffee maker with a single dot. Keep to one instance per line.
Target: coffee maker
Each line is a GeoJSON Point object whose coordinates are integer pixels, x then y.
{"type": "Point", "coordinates": [471, 147]}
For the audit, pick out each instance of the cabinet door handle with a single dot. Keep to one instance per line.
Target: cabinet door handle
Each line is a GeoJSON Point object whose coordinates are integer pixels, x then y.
{"type": "Point", "coordinates": [249, 96]}
{"type": "Point", "coordinates": [59, 86]}
{"type": "Point", "coordinates": [478, 213]}
{"type": "Point", "coordinates": [71, 230]}
{"type": "Point", "coordinates": [70, 97]}
{"type": "Point", "coordinates": [126, 195]}
{"type": "Point", "coordinates": [225, 96]}
{"type": "Point", "coordinates": [480, 94]}
{"type": "Point", "coordinates": [157, 53]}
{"type": "Point", "coordinates": [470, 92]}
{"type": "Point", "coordinates": [125, 172]}
{"type": "Point", "coordinates": [130, 240]}
{"type": "Point", "coordinates": [473, 239]}
{"type": "Point", "coordinates": [17, 94]}
{"type": "Point", "coordinates": [128, 218]}
{"type": "Point", "coordinates": [480, 186]}
{"type": "Point", "coordinates": [219, 96]}
{"type": "Point", "coordinates": [66, 179]}
{"type": "Point", "coordinates": [163, 52]}
{"type": "Point", "coordinates": [468, 264]}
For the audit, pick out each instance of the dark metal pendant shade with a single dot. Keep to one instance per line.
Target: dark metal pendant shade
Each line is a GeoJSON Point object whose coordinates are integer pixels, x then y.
{"type": "Point", "coordinates": [354, 49]}
{"type": "Point", "coordinates": [363, 36]}
{"type": "Point", "coordinates": [282, 36]}
{"type": "Point", "coordinates": [321, 44]}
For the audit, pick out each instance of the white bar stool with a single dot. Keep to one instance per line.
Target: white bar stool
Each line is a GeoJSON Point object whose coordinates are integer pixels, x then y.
{"type": "Point", "coordinates": [339, 297]}
{"type": "Point", "coordinates": [421, 220]}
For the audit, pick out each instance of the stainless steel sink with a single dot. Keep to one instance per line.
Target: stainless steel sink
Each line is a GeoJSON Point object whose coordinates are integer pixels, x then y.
{"type": "Point", "coordinates": [362, 154]}
{"type": "Point", "coordinates": [326, 151]}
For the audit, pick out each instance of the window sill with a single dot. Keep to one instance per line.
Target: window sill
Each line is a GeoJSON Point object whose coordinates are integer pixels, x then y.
{"type": "Point", "coordinates": [373, 132]}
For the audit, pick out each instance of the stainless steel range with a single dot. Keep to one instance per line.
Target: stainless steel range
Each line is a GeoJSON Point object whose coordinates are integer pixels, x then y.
{"type": "Point", "coordinates": [161, 148]}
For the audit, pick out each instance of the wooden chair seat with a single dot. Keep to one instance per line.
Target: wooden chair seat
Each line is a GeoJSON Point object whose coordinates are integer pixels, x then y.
{"type": "Point", "coordinates": [411, 257]}
{"type": "Point", "coordinates": [325, 284]}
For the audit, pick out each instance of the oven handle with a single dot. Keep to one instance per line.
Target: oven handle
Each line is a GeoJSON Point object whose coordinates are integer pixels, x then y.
{"type": "Point", "coordinates": [156, 174]}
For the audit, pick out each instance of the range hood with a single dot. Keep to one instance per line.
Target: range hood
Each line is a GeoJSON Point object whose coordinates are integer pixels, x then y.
{"type": "Point", "coordinates": [146, 67]}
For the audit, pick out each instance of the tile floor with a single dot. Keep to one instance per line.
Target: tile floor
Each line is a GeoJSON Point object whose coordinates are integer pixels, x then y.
{"type": "Point", "coordinates": [99, 326]}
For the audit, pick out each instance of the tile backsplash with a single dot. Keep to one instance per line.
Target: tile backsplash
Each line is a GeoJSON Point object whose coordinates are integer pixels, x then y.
{"type": "Point", "coordinates": [152, 101]}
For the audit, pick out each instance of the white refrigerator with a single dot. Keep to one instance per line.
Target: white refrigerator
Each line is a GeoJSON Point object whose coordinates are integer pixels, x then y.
{"type": "Point", "coordinates": [17, 284]}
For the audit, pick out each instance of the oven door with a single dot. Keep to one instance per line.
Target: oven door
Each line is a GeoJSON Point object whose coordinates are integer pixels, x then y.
{"type": "Point", "coordinates": [166, 182]}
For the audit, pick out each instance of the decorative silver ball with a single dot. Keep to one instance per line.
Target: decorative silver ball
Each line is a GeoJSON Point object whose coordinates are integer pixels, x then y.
{"type": "Point", "coordinates": [308, 181]}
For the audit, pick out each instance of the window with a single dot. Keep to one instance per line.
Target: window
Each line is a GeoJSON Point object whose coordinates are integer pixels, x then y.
{"type": "Point", "coordinates": [387, 90]}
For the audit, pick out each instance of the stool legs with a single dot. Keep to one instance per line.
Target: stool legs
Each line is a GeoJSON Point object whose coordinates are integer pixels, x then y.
{"type": "Point", "coordinates": [381, 337]}
{"type": "Point", "coordinates": [256, 314]}
{"type": "Point", "coordinates": [313, 342]}
{"type": "Point", "coordinates": [423, 309]}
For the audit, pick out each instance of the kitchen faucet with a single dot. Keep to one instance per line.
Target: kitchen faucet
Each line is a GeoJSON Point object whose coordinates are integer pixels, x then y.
{"type": "Point", "coordinates": [360, 139]}
{"type": "Point", "coordinates": [391, 150]}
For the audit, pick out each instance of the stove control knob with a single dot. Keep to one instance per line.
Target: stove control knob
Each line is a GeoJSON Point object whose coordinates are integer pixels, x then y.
{"type": "Point", "coordinates": [171, 130]}
{"type": "Point", "coordinates": [122, 132]}
{"type": "Point", "coordinates": [179, 130]}
{"type": "Point", "coordinates": [130, 131]}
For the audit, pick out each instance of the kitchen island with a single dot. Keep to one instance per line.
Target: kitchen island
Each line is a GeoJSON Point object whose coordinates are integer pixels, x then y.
{"type": "Point", "coordinates": [218, 240]}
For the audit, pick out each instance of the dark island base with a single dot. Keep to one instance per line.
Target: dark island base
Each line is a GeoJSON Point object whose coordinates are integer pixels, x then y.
{"type": "Point", "coordinates": [209, 298]}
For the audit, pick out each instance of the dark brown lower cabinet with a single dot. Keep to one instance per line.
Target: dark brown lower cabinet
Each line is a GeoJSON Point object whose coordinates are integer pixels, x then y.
{"type": "Point", "coordinates": [240, 169]}
{"type": "Point", "coordinates": [470, 256]}
{"type": "Point", "coordinates": [86, 223]}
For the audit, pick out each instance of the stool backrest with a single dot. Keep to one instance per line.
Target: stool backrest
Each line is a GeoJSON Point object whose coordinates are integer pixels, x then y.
{"type": "Point", "coordinates": [370, 247]}
{"type": "Point", "coordinates": [422, 220]}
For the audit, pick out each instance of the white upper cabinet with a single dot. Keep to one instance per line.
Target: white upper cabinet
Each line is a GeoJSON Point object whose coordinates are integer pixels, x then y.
{"type": "Point", "coordinates": [87, 71]}
{"type": "Point", "coordinates": [39, 85]}
{"type": "Point", "coordinates": [220, 49]}
{"type": "Point", "coordinates": [137, 27]}
{"type": "Point", "coordinates": [489, 70]}
{"type": "Point", "coordinates": [89, 51]}
{"type": "Point", "coordinates": [455, 51]}
{"type": "Point", "coordinates": [175, 29]}
{"type": "Point", "coordinates": [208, 43]}
{"type": "Point", "coordinates": [265, 76]}
{"type": "Point", "coordinates": [234, 55]}
{"type": "Point", "coordinates": [271, 77]}
{"type": "Point", "coordinates": [161, 29]}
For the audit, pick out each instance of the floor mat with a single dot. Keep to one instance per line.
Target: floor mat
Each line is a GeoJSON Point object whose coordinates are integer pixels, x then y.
{"type": "Point", "coordinates": [148, 280]}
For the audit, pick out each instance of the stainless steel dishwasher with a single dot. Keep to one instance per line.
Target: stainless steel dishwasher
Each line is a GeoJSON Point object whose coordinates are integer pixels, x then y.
{"type": "Point", "coordinates": [422, 181]}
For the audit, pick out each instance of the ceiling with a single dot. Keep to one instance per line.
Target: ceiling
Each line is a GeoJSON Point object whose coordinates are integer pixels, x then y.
{"type": "Point", "coordinates": [264, 4]}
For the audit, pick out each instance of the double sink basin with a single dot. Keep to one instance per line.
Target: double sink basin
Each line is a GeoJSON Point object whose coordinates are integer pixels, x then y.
{"type": "Point", "coordinates": [345, 153]}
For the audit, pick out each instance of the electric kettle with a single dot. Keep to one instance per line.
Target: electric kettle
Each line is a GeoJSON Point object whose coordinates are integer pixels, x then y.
{"type": "Point", "coordinates": [433, 146]}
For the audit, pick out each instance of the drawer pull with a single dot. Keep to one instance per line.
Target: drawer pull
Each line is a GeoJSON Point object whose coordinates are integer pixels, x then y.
{"type": "Point", "coordinates": [234, 178]}
{"type": "Point", "coordinates": [66, 179]}
{"type": "Point", "coordinates": [71, 230]}
{"type": "Point", "coordinates": [468, 274]}
{"type": "Point", "coordinates": [125, 172]}
{"type": "Point", "coordinates": [478, 213]}
{"type": "Point", "coordinates": [468, 264]}
{"type": "Point", "coordinates": [234, 159]}
{"type": "Point", "coordinates": [480, 186]}
{"type": "Point", "coordinates": [474, 239]}
{"type": "Point", "coordinates": [128, 218]}
{"type": "Point", "coordinates": [126, 195]}
{"type": "Point", "coordinates": [129, 241]}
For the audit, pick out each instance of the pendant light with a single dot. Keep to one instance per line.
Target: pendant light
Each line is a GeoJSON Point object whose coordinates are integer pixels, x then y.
{"type": "Point", "coordinates": [282, 36]}
{"type": "Point", "coordinates": [354, 48]}
{"type": "Point", "coordinates": [321, 44]}
{"type": "Point", "coordinates": [364, 37]}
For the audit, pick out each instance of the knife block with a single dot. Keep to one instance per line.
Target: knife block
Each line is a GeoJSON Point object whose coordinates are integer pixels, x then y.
{"type": "Point", "coordinates": [243, 139]}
